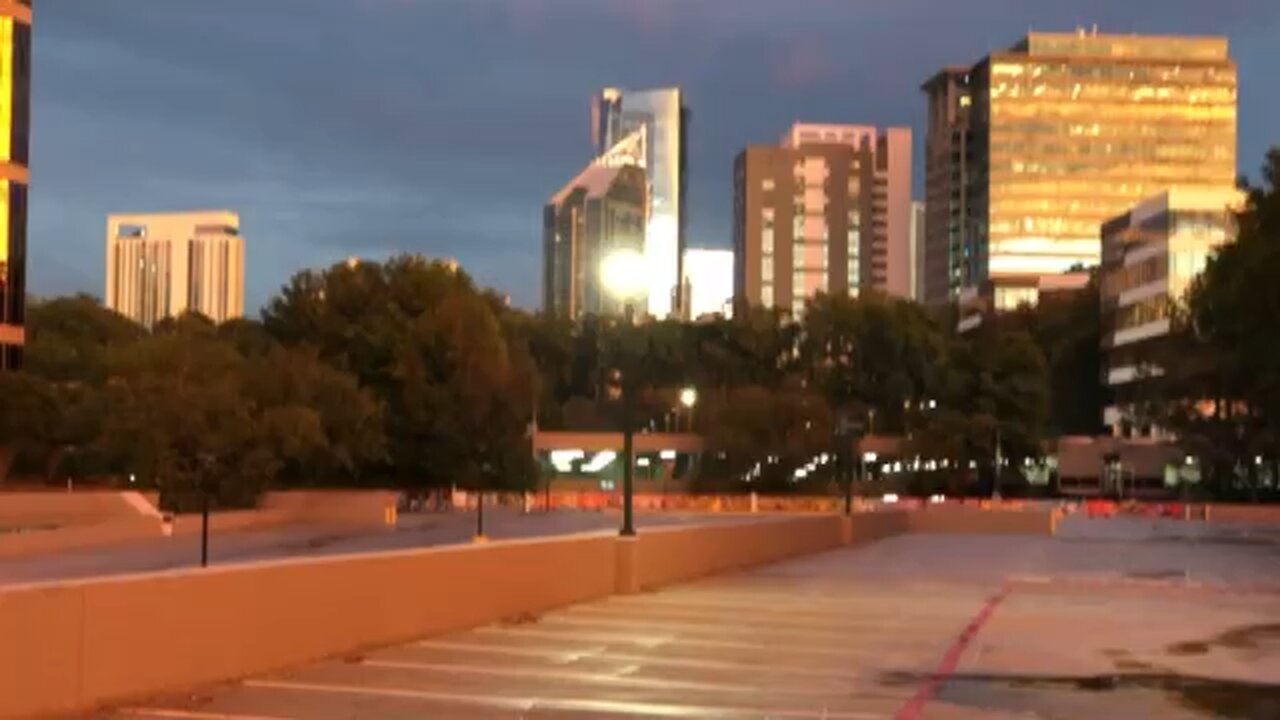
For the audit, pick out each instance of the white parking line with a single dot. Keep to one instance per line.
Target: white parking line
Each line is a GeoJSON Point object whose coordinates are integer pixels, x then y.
{"type": "Point", "coordinates": [653, 641]}
{"type": "Point", "coordinates": [665, 660]}
{"type": "Point", "coordinates": [643, 625]}
{"type": "Point", "coordinates": [621, 677]}
{"type": "Point", "coordinates": [566, 704]}
{"type": "Point", "coordinates": [194, 715]}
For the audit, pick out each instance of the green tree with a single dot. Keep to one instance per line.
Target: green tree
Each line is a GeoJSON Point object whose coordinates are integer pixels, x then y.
{"type": "Point", "coordinates": [28, 416]}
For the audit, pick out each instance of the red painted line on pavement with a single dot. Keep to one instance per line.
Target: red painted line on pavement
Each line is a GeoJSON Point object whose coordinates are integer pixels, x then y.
{"type": "Point", "coordinates": [927, 691]}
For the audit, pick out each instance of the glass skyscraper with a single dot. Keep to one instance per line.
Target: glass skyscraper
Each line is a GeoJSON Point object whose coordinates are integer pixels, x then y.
{"type": "Point", "coordinates": [15, 126]}
{"type": "Point", "coordinates": [617, 114]}
{"type": "Point", "coordinates": [1067, 130]}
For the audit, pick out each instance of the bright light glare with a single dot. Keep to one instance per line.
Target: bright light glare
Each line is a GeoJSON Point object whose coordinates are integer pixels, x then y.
{"type": "Point", "coordinates": [869, 456]}
{"type": "Point", "coordinates": [688, 397]}
{"type": "Point", "coordinates": [562, 460]}
{"type": "Point", "coordinates": [890, 498]}
{"type": "Point", "coordinates": [667, 454]}
{"type": "Point", "coordinates": [937, 498]}
{"type": "Point", "coordinates": [622, 273]}
{"type": "Point", "coordinates": [642, 462]}
{"type": "Point", "coordinates": [801, 473]}
{"type": "Point", "coordinates": [600, 461]}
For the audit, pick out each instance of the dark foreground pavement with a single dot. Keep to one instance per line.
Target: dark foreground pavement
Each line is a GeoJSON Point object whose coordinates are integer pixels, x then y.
{"type": "Point", "coordinates": [1112, 619]}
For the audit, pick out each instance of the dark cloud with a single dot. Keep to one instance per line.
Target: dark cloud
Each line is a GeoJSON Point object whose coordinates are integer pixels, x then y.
{"type": "Point", "coordinates": [340, 127]}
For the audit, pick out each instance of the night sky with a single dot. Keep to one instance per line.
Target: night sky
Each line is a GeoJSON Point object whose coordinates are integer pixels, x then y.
{"type": "Point", "coordinates": [369, 127]}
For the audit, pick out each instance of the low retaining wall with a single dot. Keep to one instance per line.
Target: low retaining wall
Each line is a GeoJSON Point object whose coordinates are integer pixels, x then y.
{"type": "Point", "coordinates": [344, 507]}
{"type": "Point", "coordinates": [72, 647]}
{"type": "Point", "coordinates": [867, 527]}
{"type": "Point", "coordinates": [970, 520]}
{"type": "Point", "coordinates": [1239, 513]}
{"type": "Point", "coordinates": [61, 508]}
{"type": "Point", "coordinates": [668, 555]}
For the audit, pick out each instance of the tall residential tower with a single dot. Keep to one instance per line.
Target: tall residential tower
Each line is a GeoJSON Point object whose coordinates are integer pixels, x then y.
{"type": "Point", "coordinates": [161, 265]}
{"type": "Point", "coordinates": [828, 210]}
{"type": "Point", "coordinates": [15, 128]}
{"type": "Point", "coordinates": [617, 114]}
{"type": "Point", "coordinates": [1034, 147]}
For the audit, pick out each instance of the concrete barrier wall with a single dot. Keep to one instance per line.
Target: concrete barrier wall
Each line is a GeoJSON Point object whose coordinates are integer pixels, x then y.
{"type": "Point", "coordinates": [230, 521]}
{"type": "Point", "coordinates": [863, 528]}
{"type": "Point", "coordinates": [669, 555]}
{"type": "Point", "coordinates": [350, 507]}
{"type": "Point", "coordinates": [59, 508]}
{"type": "Point", "coordinates": [968, 520]}
{"type": "Point", "coordinates": [1239, 513]}
{"type": "Point", "coordinates": [74, 646]}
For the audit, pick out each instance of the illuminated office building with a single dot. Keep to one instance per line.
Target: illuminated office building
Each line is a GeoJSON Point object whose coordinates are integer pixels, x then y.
{"type": "Point", "coordinates": [15, 127]}
{"type": "Point", "coordinates": [1033, 148]}
{"type": "Point", "coordinates": [161, 265]}
{"type": "Point", "coordinates": [1150, 256]}
{"type": "Point", "coordinates": [598, 212]}
{"type": "Point", "coordinates": [828, 210]}
{"type": "Point", "coordinates": [618, 114]}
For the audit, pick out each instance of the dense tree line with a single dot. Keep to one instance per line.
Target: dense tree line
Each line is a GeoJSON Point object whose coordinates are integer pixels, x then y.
{"type": "Point", "coordinates": [404, 373]}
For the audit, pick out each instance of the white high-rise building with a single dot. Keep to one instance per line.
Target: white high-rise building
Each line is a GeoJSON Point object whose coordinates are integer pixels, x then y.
{"type": "Point", "coordinates": [617, 114]}
{"type": "Point", "coordinates": [161, 265]}
{"type": "Point", "coordinates": [708, 283]}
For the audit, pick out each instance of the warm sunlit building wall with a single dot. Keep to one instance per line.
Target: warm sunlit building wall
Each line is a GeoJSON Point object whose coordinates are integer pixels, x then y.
{"type": "Point", "coordinates": [15, 126]}
{"type": "Point", "coordinates": [826, 211]}
{"type": "Point", "coordinates": [160, 265]}
{"type": "Point", "coordinates": [1068, 130]}
{"type": "Point", "coordinates": [1150, 256]}
{"type": "Point", "coordinates": [617, 114]}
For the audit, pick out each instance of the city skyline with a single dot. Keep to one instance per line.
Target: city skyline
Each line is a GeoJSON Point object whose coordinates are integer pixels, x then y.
{"type": "Point", "coordinates": [279, 150]}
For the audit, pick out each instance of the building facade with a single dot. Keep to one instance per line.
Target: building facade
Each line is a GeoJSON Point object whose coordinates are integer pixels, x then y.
{"type": "Point", "coordinates": [599, 212]}
{"type": "Point", "coordinates": [1150, 255]}
{"type": "Point", "coordinates": [708, 283]}
{"type": "Point", "coordinates": [15, 131]}
{"type": "Point", "coordinates": [618, 114]}
{"type": "Point", "coordinates": [1064, 131]}
{"type": "Point", "coordinates": [947, 145]}
{"type": "Point", "coordinates": [161, 265]}
{"type": "Point", "coordinates": [916, 254]}
{"type": "Point", "coordinates": [828, 210]}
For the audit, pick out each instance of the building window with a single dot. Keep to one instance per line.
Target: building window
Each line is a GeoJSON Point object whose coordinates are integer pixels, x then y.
{"type": "Point", "coordinates": [766, 184]}
{"type": "Point", "coordinates": [766, 241]}
{"type": "Point", "coordinates": [766, 269]}
{"type": "Point", "coordinates": [766, 295]}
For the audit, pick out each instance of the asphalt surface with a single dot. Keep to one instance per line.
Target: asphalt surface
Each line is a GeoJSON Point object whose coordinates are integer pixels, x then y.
{"type": "Point", "coordinates": [1114, 618]}
{"type": "Point", "coordinates": [421, 530]}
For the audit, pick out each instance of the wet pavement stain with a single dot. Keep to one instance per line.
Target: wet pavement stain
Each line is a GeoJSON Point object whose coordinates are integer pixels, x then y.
{"type": "Point", "coordinates": [1217, 698]}
{"type": "Point", "coordinates": [1248, 637]}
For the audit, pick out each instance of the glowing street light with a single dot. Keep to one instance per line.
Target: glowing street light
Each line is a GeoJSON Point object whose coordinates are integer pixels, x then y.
{"type": "Point", "coordinates": [689, 397]}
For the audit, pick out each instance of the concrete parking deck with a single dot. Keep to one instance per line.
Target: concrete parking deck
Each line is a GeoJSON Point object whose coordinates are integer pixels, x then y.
{"type": "Point", "coordinates": [1112, 619]}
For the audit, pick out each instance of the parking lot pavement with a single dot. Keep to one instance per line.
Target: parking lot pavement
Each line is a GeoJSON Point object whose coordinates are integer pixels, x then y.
{"type": "Point", "coordinates": [423, 530]}
{"type": "Point", "coordinates": [1104, 623]}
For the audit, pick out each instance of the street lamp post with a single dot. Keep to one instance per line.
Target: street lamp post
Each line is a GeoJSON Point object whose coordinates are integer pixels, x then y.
{"type": "Point", "coordinates": [621, 278]}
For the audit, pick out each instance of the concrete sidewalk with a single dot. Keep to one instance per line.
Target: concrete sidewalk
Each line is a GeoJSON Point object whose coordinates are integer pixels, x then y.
{"type": "Point", "coordinates": [1113, 620]}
